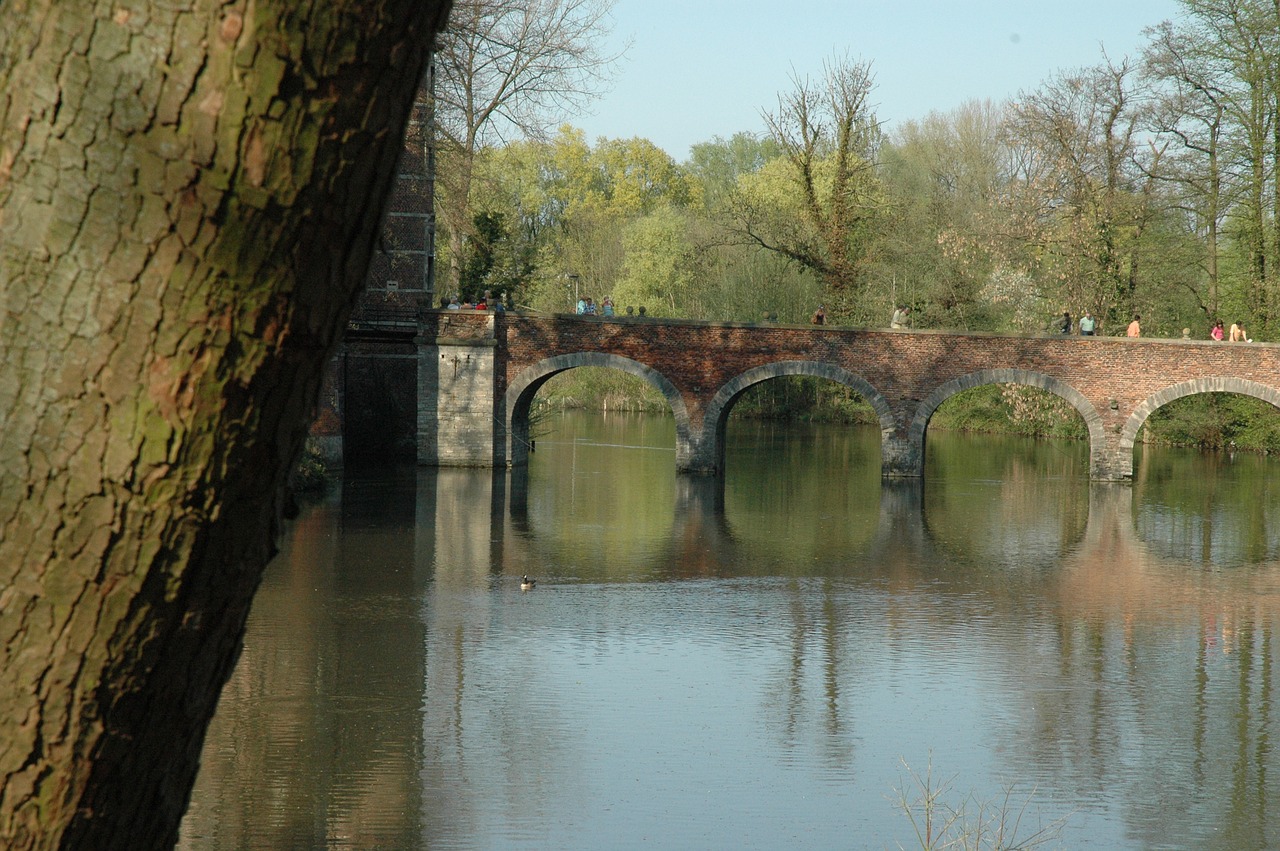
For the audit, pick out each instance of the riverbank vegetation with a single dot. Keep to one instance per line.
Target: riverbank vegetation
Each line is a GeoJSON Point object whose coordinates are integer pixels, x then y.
{"type": "Point", "coordinates": [1142, 185]}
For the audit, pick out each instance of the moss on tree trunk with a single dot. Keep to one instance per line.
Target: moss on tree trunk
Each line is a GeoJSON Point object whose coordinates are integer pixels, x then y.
{"type": "Point", "coordinates": [188, 197]}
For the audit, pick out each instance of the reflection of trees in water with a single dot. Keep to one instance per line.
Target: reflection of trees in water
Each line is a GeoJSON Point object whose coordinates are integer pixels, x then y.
{"type": "Point", "coordinates": [1008, 503]}
{"type": "Point", "coordinates": [1008, 533]}
{"type": "Point", "coordinates": [807, 698]}
{"type": "Point", "coordinates": [602, 491]}
{"type": "Point", "coordinates": [268, 721]}
{"type": "Point", "coordinates": [1208, 508]}
{"type": "Point", "coordinates": [1116, 673]}
{"type": "Point", "coordinates": [1162, 683]}
{"type": "Point", "coordinates": [822, 481]}
{"type": "Point", "coordinates": [311, 744]}
{"type": "Point", "coordinates": [1173, 723]}
{"type": "Point", "coordinates": [1132, 699]}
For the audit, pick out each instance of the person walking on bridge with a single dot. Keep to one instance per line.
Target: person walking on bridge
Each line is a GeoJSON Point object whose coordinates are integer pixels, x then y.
{"type": "Point", "coordinates": [1135, 330]}
{"type": "Point", "coordinates": [901, 317]}
{"type": "Point", "coordinates": [1087, 324]}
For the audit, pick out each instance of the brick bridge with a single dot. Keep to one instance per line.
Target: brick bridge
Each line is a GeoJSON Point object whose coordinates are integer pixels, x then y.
{"type": "Point", "coordinates": [467, 379]}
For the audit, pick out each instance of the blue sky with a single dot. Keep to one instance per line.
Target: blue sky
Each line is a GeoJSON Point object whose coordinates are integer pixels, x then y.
{"type": "Point", "coordinates": [703, 68]}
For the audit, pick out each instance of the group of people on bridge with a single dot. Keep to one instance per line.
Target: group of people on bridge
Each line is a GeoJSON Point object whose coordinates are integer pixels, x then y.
{"type": "Point", "coordinates": [901, 317]}
{"type": "Point", "coordinates": [484, 302]}
{"type": "Point", "coordinates": [587, 307]}
{"type": "Point", "coordinates": [1236, 335]}
{"type": "Point", "coordinates": [1086, 326]}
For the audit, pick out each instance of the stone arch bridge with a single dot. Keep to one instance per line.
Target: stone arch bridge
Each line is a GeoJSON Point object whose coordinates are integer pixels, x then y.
{"type": "Point", "coordinates": [469, 378]}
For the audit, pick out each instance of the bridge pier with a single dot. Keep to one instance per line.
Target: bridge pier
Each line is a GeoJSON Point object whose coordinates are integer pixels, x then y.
{"type": "Point", "coordinates": [1112, 461]}
{"type": "Point", "coordinates": [700, 453]}
{"type": "Point", "coordinates": [458, 421]}
{"type": "Point", "coordinates": [899, 459]}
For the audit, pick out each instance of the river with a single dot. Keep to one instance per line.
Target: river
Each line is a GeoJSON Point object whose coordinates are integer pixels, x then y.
{"type": "Point", "coordinates": [792, 656]}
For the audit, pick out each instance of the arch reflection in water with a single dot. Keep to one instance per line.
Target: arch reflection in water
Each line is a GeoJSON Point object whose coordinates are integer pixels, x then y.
{"type": "Point", "coordinates": [735, 661]}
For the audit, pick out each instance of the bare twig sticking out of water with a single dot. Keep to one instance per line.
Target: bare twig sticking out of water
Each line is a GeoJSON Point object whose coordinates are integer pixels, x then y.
{"type": "Point", "coordinates": [973, 824]}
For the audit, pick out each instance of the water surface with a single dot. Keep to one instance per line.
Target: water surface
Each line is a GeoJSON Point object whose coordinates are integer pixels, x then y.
{"type": "Point", "coordinates": [773, 659]}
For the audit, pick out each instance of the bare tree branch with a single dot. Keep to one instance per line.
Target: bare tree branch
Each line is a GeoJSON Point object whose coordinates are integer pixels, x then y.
{"type": "Point", "coordinates": [507, 69]}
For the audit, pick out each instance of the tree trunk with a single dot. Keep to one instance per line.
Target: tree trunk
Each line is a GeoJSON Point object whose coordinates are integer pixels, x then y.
{"type": "Point", "coordinates": [1213, 201]}
{"type": "Point", "coordinates": [1273, 268]}
{"type": "Point", "coordinates": [189, 194]}
{"type": "Point", "coordinates": [453, 206]}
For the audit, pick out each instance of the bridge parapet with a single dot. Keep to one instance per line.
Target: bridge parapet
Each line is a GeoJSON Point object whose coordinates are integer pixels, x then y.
{"type": "Point", "coordinates": [458, 324]}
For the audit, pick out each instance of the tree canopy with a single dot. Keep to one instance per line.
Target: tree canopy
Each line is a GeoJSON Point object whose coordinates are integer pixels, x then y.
{"type": "Point", "coordinates": [1141, 184]}
{"type": "Point", "coordinates": [506, 69]}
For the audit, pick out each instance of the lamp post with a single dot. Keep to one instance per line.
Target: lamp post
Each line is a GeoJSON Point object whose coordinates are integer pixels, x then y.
{"type": "Point", "coordinates": [573, 280]}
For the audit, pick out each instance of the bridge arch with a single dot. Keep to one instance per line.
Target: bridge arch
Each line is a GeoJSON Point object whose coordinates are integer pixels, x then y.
{"type": "Point", "coordinates": [1157, 400]}
{"type": "Point", "coordinates": [717, 411]}
{"type": "Point", "coordinates": [521, 391]}
{"type": "Point", "coordinates": [1092, 419]}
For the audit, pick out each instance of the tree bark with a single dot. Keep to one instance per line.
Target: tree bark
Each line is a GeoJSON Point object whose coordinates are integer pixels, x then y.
{"type": "Point", "coordinates": [189, 194]}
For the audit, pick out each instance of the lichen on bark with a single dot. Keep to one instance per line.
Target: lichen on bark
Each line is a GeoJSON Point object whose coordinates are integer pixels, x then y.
{"type": "Point", "coordinates": [188, 197]}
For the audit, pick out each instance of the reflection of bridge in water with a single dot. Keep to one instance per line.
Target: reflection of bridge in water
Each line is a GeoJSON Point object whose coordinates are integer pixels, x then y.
{"type": "Point", "coordinates": [1102, 564]}
{"type": "Point", "coordinates": [1116, 614]}
{"type": "Point", "coordinates": [1105, 658]}
{"type": "Point", "coordinates": [703, 541]}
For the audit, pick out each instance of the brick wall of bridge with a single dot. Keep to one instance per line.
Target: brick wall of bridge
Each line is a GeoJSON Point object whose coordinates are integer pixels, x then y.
{"type": "Point", "coordinates": [701, 367]}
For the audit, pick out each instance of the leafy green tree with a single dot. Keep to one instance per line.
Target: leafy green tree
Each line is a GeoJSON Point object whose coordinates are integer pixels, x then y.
{"type": "Point", "coordinates": [1088, 195]}
{"type": "Point", "coordinates": [944, 176]}
{"type": "Point", "coordinates": [488, 231]}
{"type": "Point", "coordinates": [1192, 110]}
{"type": "Point", "coordinates": [718, 165]}
{"type": "Point", "coordinates": [497, 260]}
{"type": "Point", "coordinates": [575, 203]}
{"type": "Point", "coordinates": [1238, 41]}
{"type": "Point", "coordinates": [660, 269]}
{"type": "Point", "coordinates": [737, 281]}
{"type": "Point", "coordinates": [637, 177]}
{"type": "Point", "coordinates": [817, 204]}
{"type": "Point", "coordinates": [741, 284]}
{"type": "Point", "coordinates": [507, 69]}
